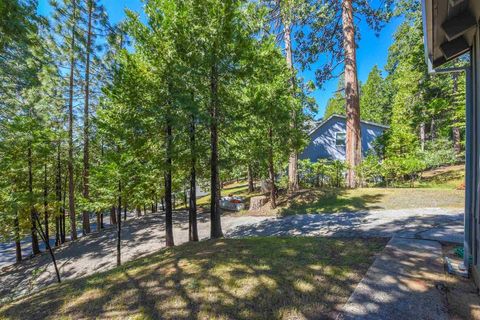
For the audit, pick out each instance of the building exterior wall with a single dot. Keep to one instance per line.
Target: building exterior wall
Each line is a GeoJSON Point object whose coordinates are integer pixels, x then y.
{"type": "Point", "coordinates": [323, 140]}
{"type": "Point", "coordinates": [472, 199]}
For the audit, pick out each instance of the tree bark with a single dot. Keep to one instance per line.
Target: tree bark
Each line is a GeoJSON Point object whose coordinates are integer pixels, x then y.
{"type": "Point", "coordinates": [71, 186]}
{"type": "Point", "coordinates": [18, 246]}
{"type": "Point", "coordinates": [35, 247]}
{"type": "Point", "coordinates": [139, 211]}
{"type": "Point", "coordinates": [113, 217]}
{"type": "Point", "coordinates": [119, 224]}
{"type": "Point", "coordinates": [86, 124]}
{"type": "Point", "coordinates": [353, 139]}
{"type": "Point", "coordinates": [215, 212]}
{"type": "Point", "coordinates": [422, 136]}
{"type": "Point", "coordinates": [432, 129]}
{"type": "Point", "coordinates": [251, 187]}
{"type": "Point", "coordinates": [58, 194]}
{"type": "Point", "coordinates": [192, 207]}
{"type": "Point", "coordinates": [64, 213]}
{"type": "Point", "coordinates": [271, 171]}
{"type": "Point", "coordinates": [45, 202]}
{"type": "Point", "coordinates": [168, 186]}
{"type": "Point", "coordinates": [457, 146]}
{"type": "Point", "coordinates": [293, 159]}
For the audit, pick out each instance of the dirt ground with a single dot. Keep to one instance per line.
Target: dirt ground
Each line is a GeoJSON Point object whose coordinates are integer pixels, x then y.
{"type": "Point", "coordinates": [462, 295]}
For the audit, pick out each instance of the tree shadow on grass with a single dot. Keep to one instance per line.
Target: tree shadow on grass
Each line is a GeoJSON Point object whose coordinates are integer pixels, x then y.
{"type": "Point", "coordinates": [258, 278]}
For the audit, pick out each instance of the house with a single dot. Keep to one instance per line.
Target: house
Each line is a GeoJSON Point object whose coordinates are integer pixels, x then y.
{"type": "Point", "coordinates": [451, 30]}
{"type": "Point", "coordinates": [327, 139]}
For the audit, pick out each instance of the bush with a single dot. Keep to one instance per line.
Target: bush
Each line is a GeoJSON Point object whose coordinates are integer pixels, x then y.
{"type": "Point", "coordinates": [322, 173]}
{"type": "Point", "coordinates": [439, 152]}
{"type": "Point", "coordinates": [369, 171]}
{"type": "Point", "coordinates": [406, 168]}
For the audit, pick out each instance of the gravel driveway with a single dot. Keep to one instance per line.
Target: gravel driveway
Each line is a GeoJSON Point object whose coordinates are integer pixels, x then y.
{"type": "Point", "coordinates": [144, 235]}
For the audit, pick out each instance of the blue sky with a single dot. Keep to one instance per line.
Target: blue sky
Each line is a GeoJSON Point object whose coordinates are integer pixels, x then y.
{"type": "Point", "coordinates": [372, 50]}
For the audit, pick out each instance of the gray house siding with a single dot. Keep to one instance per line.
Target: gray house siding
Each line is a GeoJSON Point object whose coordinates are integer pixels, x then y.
{"type": "Point", "coordinates": [323, 139]}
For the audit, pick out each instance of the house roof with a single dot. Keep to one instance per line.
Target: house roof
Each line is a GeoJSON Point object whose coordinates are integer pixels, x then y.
{"type": "Point", "coordinates": [345, 118]}
{"type": "Point", "coordinates": [449, 29]}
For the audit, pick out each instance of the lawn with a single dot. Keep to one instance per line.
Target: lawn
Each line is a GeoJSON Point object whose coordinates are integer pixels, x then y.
{"type": "Point", "coordinates": [437, 188]}
{"type": "Point", "coordinates": [341, 200]}
{"type": "Point", "coordinates": [256, 278]}
{"type": "Point", "coordinates": [237, 189]}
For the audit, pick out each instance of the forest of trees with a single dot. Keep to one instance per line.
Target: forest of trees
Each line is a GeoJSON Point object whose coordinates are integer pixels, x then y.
{"type": "Point", "coordinates": [100, 119]}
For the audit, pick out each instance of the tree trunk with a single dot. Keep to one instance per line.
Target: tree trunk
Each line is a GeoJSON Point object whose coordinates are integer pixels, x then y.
{"type": "Point", "coordinates": [293, 159]}
{"type": "Point", "coordinates": [251, 187]}
{"type": "Point", "coordinates": [139, 211]}
{"type": "Point", "coordinates": [432, 129]}
{"type": "Point", "coordinates": [45, 203]}
{"type": "Point", "coordinates": [455, 129]}
{"type": "Point", "coordinates": [64, 213]}
{"type": "Point", "coordinates": [35, 247]}
{"type": "Point", "coordinates": [215, 212]}
{"type": "Point", "coordinates": [353, 139]}
{"type": "Point", "coordinates": [163, 203]}
{"type": "Point", "coordinates": [58, 194]}
{"type": "Point", "coordinates": [192, 208]}
{"type": "Point", "coordinates": [271, 171]}
{"type": "Point", "coordinates": [71, 186]}
{"type": "Point", "coordinates": [422, 136]}
{"type": "Point", "coordinates": [119, 223]}
{"type": "Point", "coordinates": [113, 217]}
{"type": "Point", "coordinates": [86, 123]}
{"type": "Point", "coordinates": [168, 187]}
{"type": "Point", "coordinates": [99, 221]}
{"type": "Point", "coordinates": [18, 246]}
{"type": "Point", "coordinates": [47, 245]}
{"type": "Point", "coordinates": [456, 140]}
{"type": "Point", "coordinates": [125, 212]}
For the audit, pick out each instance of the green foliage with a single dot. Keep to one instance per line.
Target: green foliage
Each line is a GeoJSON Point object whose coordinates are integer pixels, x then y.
{"type": "Point", "coordinates": [439, 152]}
{"type": "Point", "coordinates": [369, 171]}
{"type": "Point", "coordinates": [336, 104]}
{"type": "Point", "coordinates": [322, 173]}
{"type": "Point", "coordinates": [375, 98]}
{"type": "Point", "coordinates": [401, 169]}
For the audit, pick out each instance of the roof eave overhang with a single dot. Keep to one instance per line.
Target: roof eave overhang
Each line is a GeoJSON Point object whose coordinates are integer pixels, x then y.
{"type": "Point", "coordinates": [448, 28]}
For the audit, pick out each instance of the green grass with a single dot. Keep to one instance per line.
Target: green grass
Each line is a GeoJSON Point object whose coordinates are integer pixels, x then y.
{"type": "Point", "coordinates": [237, 189]}
{"type": "Point", "coordinates": [255, 278]}
{"type": "Point", "coordinates": [451, 177]}
{"type": "Point", "coordinates": [341, 200]}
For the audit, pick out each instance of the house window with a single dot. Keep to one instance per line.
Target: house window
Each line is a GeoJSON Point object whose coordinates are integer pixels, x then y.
{"type": "Point", "coordinates": [340, 138]}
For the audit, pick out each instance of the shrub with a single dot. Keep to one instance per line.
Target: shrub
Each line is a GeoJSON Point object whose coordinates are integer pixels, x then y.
{"type": "Point", "coordinates": [369, 171]}
{"type": "Point", "coordinates": [322, 173]}
{"type": "Point", "coordinates": [439, 152]}
{"type": "Point", "coordinates": [406, 168]}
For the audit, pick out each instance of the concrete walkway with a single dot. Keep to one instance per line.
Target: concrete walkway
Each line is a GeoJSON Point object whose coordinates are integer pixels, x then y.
{"type": "Point", "coordinates": [401, 284]}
